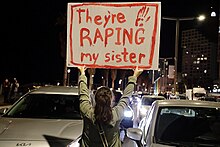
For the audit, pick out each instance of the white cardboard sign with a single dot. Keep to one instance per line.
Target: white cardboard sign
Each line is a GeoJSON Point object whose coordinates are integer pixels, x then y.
{"type": "Point", "coordinates": [113, 35]}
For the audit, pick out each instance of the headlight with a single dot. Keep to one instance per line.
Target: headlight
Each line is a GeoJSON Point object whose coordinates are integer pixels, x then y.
{"type": "Point", "coordinates": [143, 111]}
{"type": "Point", "coordinates": [74, 143]}
{"type": "Point", "coordinates": [128, 113]}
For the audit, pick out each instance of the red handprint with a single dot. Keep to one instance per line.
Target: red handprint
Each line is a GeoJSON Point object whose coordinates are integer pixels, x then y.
{"type": "Point", "coordinates": [142, 16]}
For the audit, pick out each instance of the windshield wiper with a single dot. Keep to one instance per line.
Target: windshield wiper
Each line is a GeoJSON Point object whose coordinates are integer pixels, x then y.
{"type": "Point", "coordinates": [206, 138]}
{"type": "Point", "coordinates": [177, 144]}
{"type": "Point", "coordinates": [206, 141]}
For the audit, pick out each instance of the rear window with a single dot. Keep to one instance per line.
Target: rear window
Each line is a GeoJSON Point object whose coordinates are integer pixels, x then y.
{"type": "Point", "coordinates": [188, 125]}
{"type": "Point", "coordinates": [47, 106]}
{"type": "Point", "coordinates": [149, 101]}
{"type": "Point", "coordinates": [199, 94]}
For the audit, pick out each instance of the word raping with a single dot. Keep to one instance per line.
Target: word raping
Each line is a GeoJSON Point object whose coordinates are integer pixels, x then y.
{"type": "Point", "coordinates": [124, 56]}
{"type": "Point", "coordinates": [120, 35]}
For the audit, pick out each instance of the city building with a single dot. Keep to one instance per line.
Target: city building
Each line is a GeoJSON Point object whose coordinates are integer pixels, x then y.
{"type": "Point", "coordinates": [199, 60]}
{"type": "Point", "coordinates": [216, 87]}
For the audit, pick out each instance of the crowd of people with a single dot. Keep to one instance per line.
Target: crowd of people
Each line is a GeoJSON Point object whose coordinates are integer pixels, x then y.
{"type": "Point", "coordinates": [10, 89]}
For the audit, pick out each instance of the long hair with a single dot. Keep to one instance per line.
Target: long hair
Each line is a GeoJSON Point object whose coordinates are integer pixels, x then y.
{"type": "Point", "coordinates": [103, 110]}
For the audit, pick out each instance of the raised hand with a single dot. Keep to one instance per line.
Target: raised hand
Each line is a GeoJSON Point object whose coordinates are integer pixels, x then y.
{"type": "Point", "coordinates": [137, 72]}
{"type": "Point", "coordinates": [82, 69]}
{"type": "Point", "coordinates": [142, 16]}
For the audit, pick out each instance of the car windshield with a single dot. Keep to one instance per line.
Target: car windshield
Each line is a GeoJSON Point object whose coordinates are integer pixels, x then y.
{"type": "Point", "coordinates": [199, 94]}
{"type": "Point", "coordinates": [188, 125]}
{"type": "Point", "coordinates": [49, 106]}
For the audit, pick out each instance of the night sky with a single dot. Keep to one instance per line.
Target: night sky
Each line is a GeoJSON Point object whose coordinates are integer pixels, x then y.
{"type": "Point", "coordinates": [30, 47]}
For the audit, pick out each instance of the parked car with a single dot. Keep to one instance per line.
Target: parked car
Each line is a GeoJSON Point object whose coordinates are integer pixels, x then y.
{"type": "Point", "coordinates": [181, 123]}
{"type": "Point", "coordinates": [146, 102]}
{"type": "Point", "coordinates": [208, 98]}
{"type": "Point", "coordinates": [45, 117]}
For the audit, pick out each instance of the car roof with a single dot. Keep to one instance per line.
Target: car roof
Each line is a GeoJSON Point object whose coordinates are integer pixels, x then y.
{"type": "Point", "coordinates": [153, 96]}
{"type": "Point", "coordinates": [64, 90]}
{"type": "Point", "coordinates": [188, 103]}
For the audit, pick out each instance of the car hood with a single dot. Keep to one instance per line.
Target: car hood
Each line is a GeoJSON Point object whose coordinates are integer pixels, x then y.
{"type": "Point", "coordinates": [146, 106]}
{"type": "Point", "coordinates": [39, 129]}
{"type": "Point", "coordinates": [160, 145]}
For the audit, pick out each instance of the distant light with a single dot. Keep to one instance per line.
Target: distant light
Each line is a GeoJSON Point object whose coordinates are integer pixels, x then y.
{"type": "Point", "coordinates": [205, 71]}
{"type": "Point", "coordinates": [68, 70]}
{"type": "Point", "coordinates": [120, 81]}
{"type": "Point", "coordinates": [201, 17]}
{"type": "Point", "coordinates": [214, 90]}
{"type": "Point", "coordinates": [213, 14]}
{"type": "Point", "coordinates": [187, 52]}
{"type": "Point", "coordinates": [128, 113]}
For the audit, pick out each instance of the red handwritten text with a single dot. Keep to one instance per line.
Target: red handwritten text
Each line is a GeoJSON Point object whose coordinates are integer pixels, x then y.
{"type": "Point", "coordinates": [121, 35]}
{"type": "Point", "coordinates": [123, 56]}
{"type": "Point", "coordinates": [100, 20]}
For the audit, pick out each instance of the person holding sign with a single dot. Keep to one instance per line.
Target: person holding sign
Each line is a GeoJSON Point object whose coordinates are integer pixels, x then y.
{"type": "Point", "coordinates": [101, 123]}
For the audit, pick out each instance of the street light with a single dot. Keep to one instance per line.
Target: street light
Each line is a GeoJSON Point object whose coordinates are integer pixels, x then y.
{"type": "Point", "coordinates": [200, 18]}
{"type": "Point", "coordinates": [68, 78]}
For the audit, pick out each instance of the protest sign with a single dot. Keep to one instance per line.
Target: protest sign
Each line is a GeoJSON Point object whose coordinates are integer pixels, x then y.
{"type": "Point", "coordinates": [113, 35]}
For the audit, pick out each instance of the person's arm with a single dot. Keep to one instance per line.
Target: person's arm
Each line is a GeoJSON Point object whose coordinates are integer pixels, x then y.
{"type": "Point", "coordinates": [85, 103]}
{"type": "Point", "coordinates": [124, 100]}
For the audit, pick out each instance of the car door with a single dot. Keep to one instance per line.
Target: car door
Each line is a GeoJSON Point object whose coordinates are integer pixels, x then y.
{"type": "Point", "coordinates": [146, 125]}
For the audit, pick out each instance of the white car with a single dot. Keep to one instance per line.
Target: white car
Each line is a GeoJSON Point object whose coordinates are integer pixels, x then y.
{"type": "Point", "coordinates": [146, 102]}
{"type": "Point", "coordinates": [45, 117]}
{"type": "Point", "coordinates": [179, 123]}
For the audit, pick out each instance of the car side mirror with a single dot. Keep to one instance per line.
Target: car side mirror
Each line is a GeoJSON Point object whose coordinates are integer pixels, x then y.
{"type": "Point", "coordinates": [136, 135]}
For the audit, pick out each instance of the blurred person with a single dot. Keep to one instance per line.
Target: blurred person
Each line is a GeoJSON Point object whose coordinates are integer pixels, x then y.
{"type": "Point", "coordinates": [6, 90]}
{"type": "Point", "coordinates": [13, 90]}
{"type": "Point", "coordinates": [101, 123]}
{"type": "Point", "coordinates": [92, 97]}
